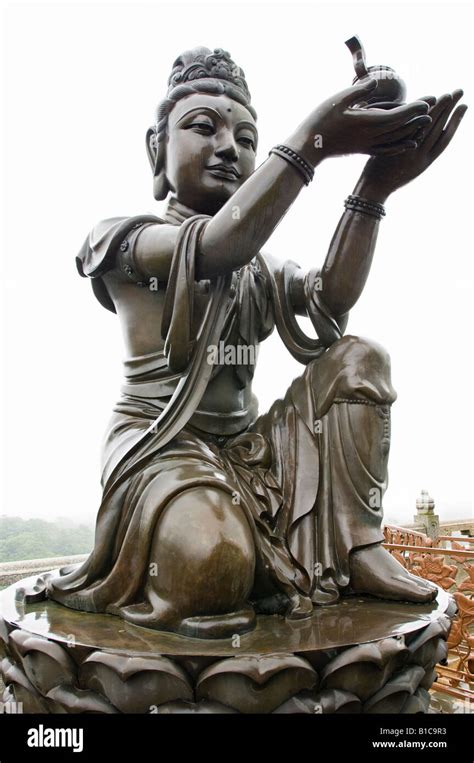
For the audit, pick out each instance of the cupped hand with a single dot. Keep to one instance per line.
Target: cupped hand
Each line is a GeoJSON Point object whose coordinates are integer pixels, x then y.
{"type": "Point", "coordinates": [387, 173]}
{"type": "Point", "coordinates": [343, 128]}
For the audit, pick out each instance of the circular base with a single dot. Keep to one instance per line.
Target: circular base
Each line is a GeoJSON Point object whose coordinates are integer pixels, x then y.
{"type": "Point", "coordinates": [359, 655]}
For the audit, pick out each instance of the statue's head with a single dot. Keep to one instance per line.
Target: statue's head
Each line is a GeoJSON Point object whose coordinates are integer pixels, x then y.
{"type": "Point", "coordinates": [205, 120]}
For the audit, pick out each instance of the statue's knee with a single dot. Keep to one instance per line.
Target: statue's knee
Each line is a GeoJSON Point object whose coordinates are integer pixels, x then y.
{"type": "Point", "coordinates": [352, 368]}
{"type": "Point", "coordinates": [205, 553]}
{"type": "Point", "coordinates": [360, 350]}
{"type": "Point", "coordinates": [356, 359]}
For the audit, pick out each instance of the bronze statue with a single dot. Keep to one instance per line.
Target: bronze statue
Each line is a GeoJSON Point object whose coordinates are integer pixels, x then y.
{"type": "Point", "coordinates": [210, 512]}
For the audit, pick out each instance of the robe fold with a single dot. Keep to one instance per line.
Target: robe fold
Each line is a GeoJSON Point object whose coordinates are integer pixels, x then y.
{"type": "Point", "coordinates": [310, 488]}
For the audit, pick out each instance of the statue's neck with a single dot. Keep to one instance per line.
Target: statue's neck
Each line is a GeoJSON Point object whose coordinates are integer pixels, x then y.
{"type": "Point", "coordinates": [176, 212]}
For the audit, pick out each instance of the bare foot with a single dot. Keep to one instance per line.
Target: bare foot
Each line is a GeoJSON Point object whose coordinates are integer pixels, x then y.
{"type": "Point", "coordinates": [375, 571]}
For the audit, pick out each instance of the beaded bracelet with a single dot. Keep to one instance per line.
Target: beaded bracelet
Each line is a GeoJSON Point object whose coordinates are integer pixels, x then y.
{"type": "Point", "coordinates": [296, 160]}
{"type": "Point", "coordinates": [358, 204]}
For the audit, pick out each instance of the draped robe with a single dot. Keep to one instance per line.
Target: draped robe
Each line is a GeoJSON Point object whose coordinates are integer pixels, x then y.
{"type": "Point", "coordinates": [309, 485]}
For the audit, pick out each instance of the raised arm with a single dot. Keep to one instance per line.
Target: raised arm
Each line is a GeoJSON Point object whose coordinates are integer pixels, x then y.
{"type": "Point", "coordinates": [348, 261]}
{"type": "Point", "coordinates": [350, 254]}
{"type": "Point", "coordinates": [347, 264]}
{"type": "Point", "coordinates": [238, 231]}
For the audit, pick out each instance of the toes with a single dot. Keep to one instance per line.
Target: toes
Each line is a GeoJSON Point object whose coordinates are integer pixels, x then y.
{"type": "Point", "coordinates": [392, 580]}
{"type": "Point", "coordinates": [416, 579]}
{"type": "Point", "coordinates": [423, 582]}
{"type": "Point", "coordinates": [415, 590]}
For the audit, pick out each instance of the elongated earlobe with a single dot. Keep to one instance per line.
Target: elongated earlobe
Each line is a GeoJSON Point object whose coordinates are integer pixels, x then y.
{"type": "Point", "coordinates": [156, 151]}
{"type": "Point", "coordinates": [161, 187]}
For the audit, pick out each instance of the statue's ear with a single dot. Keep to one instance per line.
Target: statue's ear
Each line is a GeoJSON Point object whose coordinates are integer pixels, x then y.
{"type": "Point", "coordinates": [151, 147]}
{"type": "Point", "coordinates": [156, 152]}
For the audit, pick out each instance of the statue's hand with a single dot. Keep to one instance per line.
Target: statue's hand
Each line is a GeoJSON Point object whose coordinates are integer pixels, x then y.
{"type": "Point", "coordinates": [384, 174]}
{"type": "Point", "coordinates": [338, 126]}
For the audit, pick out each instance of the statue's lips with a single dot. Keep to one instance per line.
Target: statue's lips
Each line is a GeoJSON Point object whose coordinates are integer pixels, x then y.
{"type": "Point", "coordinates": [219, 172]}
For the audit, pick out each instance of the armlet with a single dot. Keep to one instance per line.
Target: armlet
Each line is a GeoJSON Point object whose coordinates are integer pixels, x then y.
{"type": "Point", "coordinates": [126, 261]}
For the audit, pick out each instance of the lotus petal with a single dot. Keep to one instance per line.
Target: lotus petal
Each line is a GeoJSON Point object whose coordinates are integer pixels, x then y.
{"type": "Point", "coordinates": [22, 689]}
{"type": "Point", "coordinates": [363, 669]}
{"type": "Point", "coordinates": [392, 697]}
{"type": "Point", "coordinates": [321, 703]}
{"type": "Point", "coordinates": [46, 663]}
{"type": "Point", "coordinates": [69, 699]}
{"type": "Point", "coordinates": [256, 684]}
{"type": "Point", "coordinates": [135, 684]}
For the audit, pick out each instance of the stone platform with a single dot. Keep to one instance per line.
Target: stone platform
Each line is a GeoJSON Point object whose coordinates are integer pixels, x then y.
{"type": "Point", "coordinates": [361, 655]}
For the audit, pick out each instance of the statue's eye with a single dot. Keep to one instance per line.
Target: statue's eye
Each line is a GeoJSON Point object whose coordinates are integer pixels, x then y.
{"type": "Point", "coordinates": [247, 142]}
{"type": "Point", "coordinates": [203, 126]}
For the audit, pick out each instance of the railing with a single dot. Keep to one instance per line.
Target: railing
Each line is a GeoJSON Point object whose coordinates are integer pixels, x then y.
{"type": "Point", "coordinates": [449, 562]}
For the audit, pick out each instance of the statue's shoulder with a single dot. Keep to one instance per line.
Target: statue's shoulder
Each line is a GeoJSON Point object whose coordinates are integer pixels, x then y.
{"type": "Point", "coordinates": [97, 254]}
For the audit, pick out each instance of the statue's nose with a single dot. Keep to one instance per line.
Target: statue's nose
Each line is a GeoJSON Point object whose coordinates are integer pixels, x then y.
{"type": "Point", "coordinates": [228, 150]}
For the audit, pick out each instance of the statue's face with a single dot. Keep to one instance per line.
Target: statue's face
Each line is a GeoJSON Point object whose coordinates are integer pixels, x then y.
{"type": "Point", "coordinates": [204, 131]}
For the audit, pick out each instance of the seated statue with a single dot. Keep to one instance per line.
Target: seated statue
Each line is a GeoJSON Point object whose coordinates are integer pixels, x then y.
{"type": "Point", "coordinates": [212, 513]}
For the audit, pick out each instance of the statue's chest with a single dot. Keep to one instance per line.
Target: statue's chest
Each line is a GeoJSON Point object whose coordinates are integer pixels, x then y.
{"type": "Point", "coordinates": [246, 301]}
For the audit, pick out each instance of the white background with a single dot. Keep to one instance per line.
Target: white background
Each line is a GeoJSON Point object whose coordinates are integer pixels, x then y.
{"type": "Point", "coordinates": [80, 86]}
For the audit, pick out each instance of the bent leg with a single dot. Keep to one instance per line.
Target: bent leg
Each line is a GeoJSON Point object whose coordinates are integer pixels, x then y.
{"type": "Point", "coordinates": [354, 381]}
{"type": "Point", "coordinates": [330, 440]}
{"type": "Point", "coordinates": [360, 480]}
{"type": "Point", "coordinates": [202, 563]}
